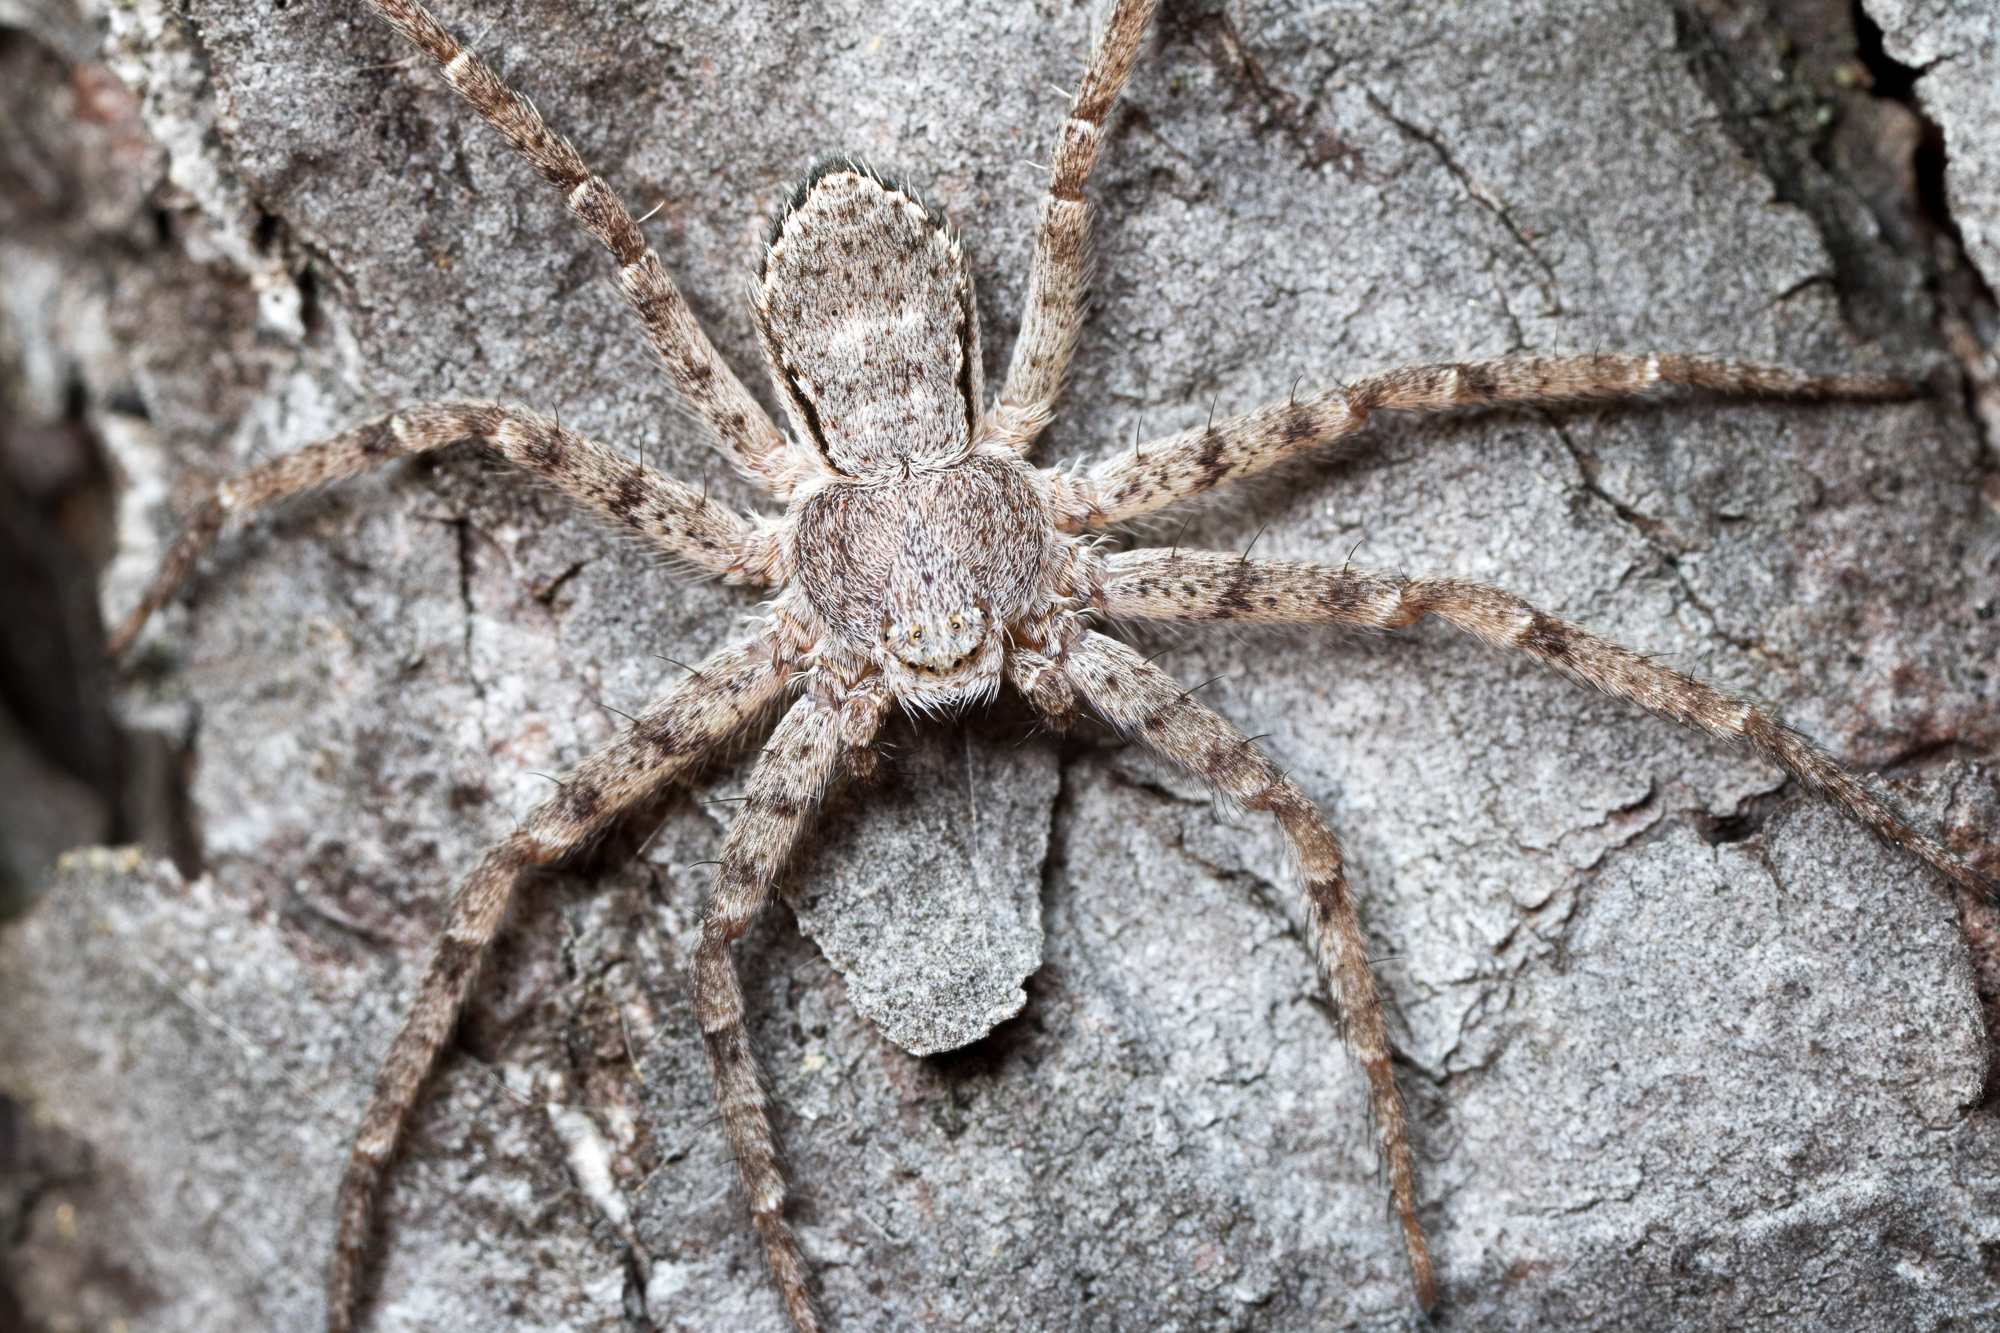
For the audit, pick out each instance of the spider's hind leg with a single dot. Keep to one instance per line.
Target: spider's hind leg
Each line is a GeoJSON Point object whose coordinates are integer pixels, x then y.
{"type": "Point", "coordinates": [797, 766]}
{"type": "Point", "coordinates": [663, 743]}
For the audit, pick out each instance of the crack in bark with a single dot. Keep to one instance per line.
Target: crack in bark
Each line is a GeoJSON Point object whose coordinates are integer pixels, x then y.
{"type": "Point", "coordinates": [1809, 96]}
{"type": "Point", "coordinates": [1278, 109]}
{"type": "Point", "coordinates": [1656, 535]}
{"type": "Point", "coordinates": [1474, 190]}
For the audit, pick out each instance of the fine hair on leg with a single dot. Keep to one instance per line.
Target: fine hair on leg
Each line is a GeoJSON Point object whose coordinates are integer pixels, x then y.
{"type": "Point", "coordinates": [1159, 472]}
{"type": "Point", "coordinates": [680, 519]}
{"type": "Point", "coordinates": [1147, 704]}
{"type": "Point", "coordinates": [1060, 270]}
{"type": "Point", "coordinates": [691, 719]}
{"type": "Point", "coordinates": [1192, 586]}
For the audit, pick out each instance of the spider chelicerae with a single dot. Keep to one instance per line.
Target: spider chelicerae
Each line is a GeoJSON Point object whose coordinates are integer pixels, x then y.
{"type": "Point", "coordinates": [921, 560]}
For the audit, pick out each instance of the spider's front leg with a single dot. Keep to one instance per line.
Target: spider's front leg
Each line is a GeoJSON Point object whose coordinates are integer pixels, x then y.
{"type": "Point", "coordinates": [1054, 309]}
{"type": "Point", "coordinates": [698, 713]}
{"type": "Point", "coordinates": [832, 723]}
{"type": "Point", "coordinates": [745, 433]}
{"type": "Point", "coordinates": [682, 520]}
{"type": "Point", "coordinates": [1198, 586]}
{"type": "Point", "coordinates": [1147, 704]}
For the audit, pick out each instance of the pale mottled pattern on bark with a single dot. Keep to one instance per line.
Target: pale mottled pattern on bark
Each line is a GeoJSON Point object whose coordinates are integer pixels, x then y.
{"type": "Point", "coordinates": [1160, 472]}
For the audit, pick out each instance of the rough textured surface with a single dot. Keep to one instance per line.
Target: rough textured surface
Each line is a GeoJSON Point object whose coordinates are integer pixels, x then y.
{"type": "Point", "coordinates": [929, 905]}
{"type": "Point", "coordinates": [1681, 1052]}
{"type": "Point", "coordinates": [1956, 43]}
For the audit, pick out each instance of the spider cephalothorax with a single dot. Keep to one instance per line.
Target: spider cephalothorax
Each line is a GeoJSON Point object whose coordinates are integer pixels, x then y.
{"type": "Point", "coordinates": [922, 560]}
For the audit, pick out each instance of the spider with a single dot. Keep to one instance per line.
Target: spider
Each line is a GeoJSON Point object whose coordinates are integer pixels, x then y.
{"type": "Point", "coordinates": [921, 561]}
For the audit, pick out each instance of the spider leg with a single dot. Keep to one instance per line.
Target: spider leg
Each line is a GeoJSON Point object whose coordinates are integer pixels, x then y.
{"type": "Point", "coordinates": [699, 712]}
{"type": "Point", "coordinates": [681, 519]}
{"type": "Point", "coordinates": [750, 438]}
{"type": "Point", "coordinates": [1207, 586]}
{"type": "Point", "coordinates": [1054, 309]}
{"type": "Point", "coordinates": [1158, 473]}
{"type": "Point", "coordinates": [1043, 682]}
{"type": "Point", "coordinates": [1146, 703]}
{"type": "Point", "coordinates": [795, 770]}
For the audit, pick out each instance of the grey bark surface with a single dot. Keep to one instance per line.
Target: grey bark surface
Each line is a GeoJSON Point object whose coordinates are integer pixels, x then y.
{"type": "Point", "coordinates": [1682, 1051]}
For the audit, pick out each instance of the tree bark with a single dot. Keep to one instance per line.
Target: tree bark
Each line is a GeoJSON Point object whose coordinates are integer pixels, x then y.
{"type": "Point", "coordinates": [1682, 1049]}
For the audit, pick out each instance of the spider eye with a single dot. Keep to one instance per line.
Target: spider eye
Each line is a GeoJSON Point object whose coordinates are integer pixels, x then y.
{"type": "Point", "coordinates": [935, 642]}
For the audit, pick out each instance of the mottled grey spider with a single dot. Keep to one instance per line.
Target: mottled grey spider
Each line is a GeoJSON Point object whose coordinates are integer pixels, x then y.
{"type": "Point", "coordinates": [921, 560]}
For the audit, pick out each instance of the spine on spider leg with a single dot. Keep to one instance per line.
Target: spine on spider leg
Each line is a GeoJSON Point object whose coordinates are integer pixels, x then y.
{"type": "Point", "coordinates": [353, 451]}
{"type": "Point", "coordinates": [1062, 243]}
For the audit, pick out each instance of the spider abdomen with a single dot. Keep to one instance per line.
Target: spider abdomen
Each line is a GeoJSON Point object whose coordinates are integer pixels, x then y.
{"type": "Point", "coordinates": [868, 322]}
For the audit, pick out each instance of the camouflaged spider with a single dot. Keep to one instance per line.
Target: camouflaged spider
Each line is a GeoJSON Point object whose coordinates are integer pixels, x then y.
{"type": "Point", "coordinates": [921, 560]}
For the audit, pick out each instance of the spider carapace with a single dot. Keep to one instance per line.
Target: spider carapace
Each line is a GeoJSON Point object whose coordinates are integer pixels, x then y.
{"type": "Point", "coordinates": [921, 560]}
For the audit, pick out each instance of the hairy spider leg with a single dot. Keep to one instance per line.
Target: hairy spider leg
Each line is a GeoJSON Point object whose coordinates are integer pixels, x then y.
{"type": "Point", "coordinates": [1146, 704]}
{"type": "Point", "coordinates": [804, 755]}
{"type": "Point", "coordinates": [1178, 467]}
{"type": "Point", "coordinates": [753, 442]}
{"type": "Point", "coordinates": [1054, 309]}
{"type": "Point", "coordinates": [694, 716]}
{"type": "Point", "coordinates": [682, 520]}
{"type": "Point", "coordinates": [1040, 679]}
{"type": "Point", "coordinates": [1195, 586]}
